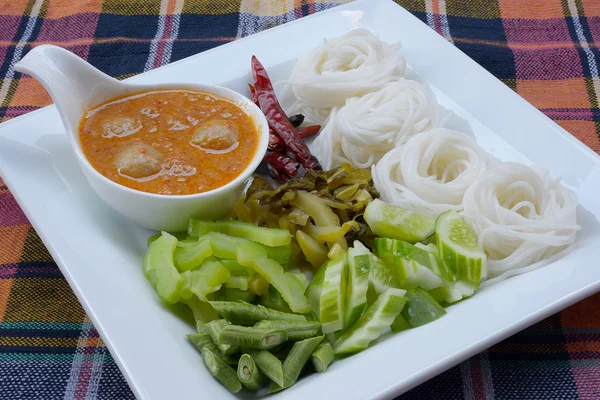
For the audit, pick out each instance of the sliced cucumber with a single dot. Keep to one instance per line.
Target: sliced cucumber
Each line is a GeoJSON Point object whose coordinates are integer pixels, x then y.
{"type": "Point", "coordinates": [414, 266]}
{"type": "Point", "coordinates": [457, 246]}
{"type": "Point", "coordinates": [432, 248]}
{"type": "Point", "coordinates": [421, 308]}
{"type": "Point", "coordinates": [400, 324]}
{"type": "Point", "coordinates": [333, 293]}
{"type": "Point", "coordinates": [359, 266]}
{"type": "Point", "coordinates": [381, 276]}
{"type": "Point", "coordinates": [394, 222]}
{"type": "Point", "coordinates": [313, 290]}
{"type": "Point", "coordinates": [370, 325]}
{"type": "Point", "coordinates": [454, 292]}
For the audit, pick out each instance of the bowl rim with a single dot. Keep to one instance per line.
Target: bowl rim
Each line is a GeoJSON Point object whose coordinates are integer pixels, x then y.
{"type": "Point", "coordinates": [222, 92]}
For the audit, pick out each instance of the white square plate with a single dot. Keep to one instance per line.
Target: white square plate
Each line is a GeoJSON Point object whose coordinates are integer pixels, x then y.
{"type": "Point", "coordinates": [100, 253]}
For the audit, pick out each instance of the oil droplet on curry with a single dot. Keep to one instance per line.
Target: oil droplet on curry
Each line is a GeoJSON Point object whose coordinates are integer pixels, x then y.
{"type": "Point", "coordinates": [172, 142]}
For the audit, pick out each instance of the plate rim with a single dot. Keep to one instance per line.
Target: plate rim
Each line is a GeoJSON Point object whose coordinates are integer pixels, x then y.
{"type": "Point", "coordinates": [401, 385]}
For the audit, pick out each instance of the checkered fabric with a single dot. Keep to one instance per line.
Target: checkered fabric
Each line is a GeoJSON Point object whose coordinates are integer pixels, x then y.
{"type": "Point", "coordinates": [546, 50]}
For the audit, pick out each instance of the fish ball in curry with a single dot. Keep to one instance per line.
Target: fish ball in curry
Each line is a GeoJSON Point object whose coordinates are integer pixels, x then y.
{"type": "Point", "coordinates": [120, 127]}
{"type": "Point", "coordinates": [216, 135]}
{"type": "Point", "coordinates": [139, 160]}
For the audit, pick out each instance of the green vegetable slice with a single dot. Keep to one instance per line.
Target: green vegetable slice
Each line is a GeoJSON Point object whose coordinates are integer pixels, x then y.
{"type": "Point", "coordinates": [336, 251]}
{"type": "Point", "coordinates": [202, 340]}
{"type": "Point", "coordinates": [414, 266]}
{"type": "Point", "coordinates": [292, 291]}
{"type": "Point", "coordinates": [296, 330]}
{"type": "Point", "coordinates": [330, 233]}
{"type": "Point", "coordinates": [300, 276]}
{"type": "Point", "coordinates": [241, 313]}
{"type": "Point", "coordinates": [201, 282]}
{"type": "Point", "coordinates": [269, 365]}
{"type": "Point", "coordinates": [224, 246]}
{"type": "Point", "coordinates": [320, 212]}
{"type": "Point", "coordinates": [190, 257]}
{"type": "Point", "coordinates": [181, 236]}
{"type": "Point", "coordinates": [258, 285]}
{"type": "Point", "coordinates": [381, 276]}
{"type": "Point", "coordinates": [237, 282]}
{"type": "Point", "coordinates": [203, 312]}
{"type": "Point", "coordinates": [232, 294]}
{"type": "Point", "coordinates": [333, 293]}
{"type": "Point", "coordinates": [313, 290]}
{"type": "Point", "coordinates": [369, 326]}
{"type": "Point", "coordinates": [400, 324]}
{"type": "Point", "coordinates": [394, 222]}
{"type": "Point", "coordinates": [274, 301]}
{"type": "Point", "coordinates": [457, 246]}
{"type": "Point", "coordinates": [430, 247]}
{"type": "Point", "coordinates": [160, 270]}
{"type": "Point", "coordinates": [221, 371]}
{"type": "Point", "coordinates": [315, 253]}
{"type": "Point", "coordinates": [251, 337]}
{"type": "Point", "coordinates": [248, 373]}
{"type": "Point", "coordinates": [267, 236]}
{"type": "Point", "coordinates": [235, 269]}
{"type": "Point", "coordinates": [421, 308]}
{"type": "Point", "coordinates": [295, 361]}
{"type": "Point", "coordinates": [214, 329]}
{"type": "Point", "coordinates": [281, 254]}
{"type": "Point", "coordinates": [322, 357]}
{"type": "Point", "coordinates": [153, 238]}
{"type": "Point", "coordinates": [359, 267]}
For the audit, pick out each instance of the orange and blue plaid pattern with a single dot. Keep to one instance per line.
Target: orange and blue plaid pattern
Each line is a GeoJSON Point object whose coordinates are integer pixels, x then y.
{"type": "Point", "coordinates": [546, 50]}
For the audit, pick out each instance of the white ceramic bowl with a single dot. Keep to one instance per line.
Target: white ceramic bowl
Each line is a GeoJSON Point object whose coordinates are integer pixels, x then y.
{"type": "Point", "coordinates": [76, 86]}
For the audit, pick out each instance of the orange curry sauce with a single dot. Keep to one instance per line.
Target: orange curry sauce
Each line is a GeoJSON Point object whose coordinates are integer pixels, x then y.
{"type": "Point", "coordinates": [169, 141]}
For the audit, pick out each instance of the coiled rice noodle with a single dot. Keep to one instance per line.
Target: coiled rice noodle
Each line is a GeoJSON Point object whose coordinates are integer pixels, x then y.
{"type": "Point", "coordinates": [431, 172]}
{"type": "Point", "coordinates": [521, 216]}
{"type": "Point", "coordinates": [367, 127]}
{"type": "Point", "coordinates": [340, 68]}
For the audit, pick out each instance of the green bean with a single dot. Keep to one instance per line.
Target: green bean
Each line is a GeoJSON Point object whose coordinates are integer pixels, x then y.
{"type": "Point", "coordinates": [242, 313]}
{"type": "Point", "coordinates": [295, 361]}
{"type": "Point", "coordinates": [296, 330]}
{"type": "Point", "coordinates": [202, 340]}
{"type": "Point", "coordinates": [255, 338]}
{"type": "Point", "coordinates": [248, 373]}
{"type": "Point", "coordinates": [214, 329]}
{"type": "Point", "coordinates": [268, 364]}
{"type": "Point", "coordinates": [222, 371]}
{"type": "Point", "coordinates": [322, 357]}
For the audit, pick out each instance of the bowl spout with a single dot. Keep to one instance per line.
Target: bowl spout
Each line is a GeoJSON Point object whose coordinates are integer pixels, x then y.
{"type": "Point", "coordinates": [72, 83]}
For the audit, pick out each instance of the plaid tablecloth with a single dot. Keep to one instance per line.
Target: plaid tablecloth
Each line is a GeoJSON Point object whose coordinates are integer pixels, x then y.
{"type": "Point", "coordinates": [546, 50]}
